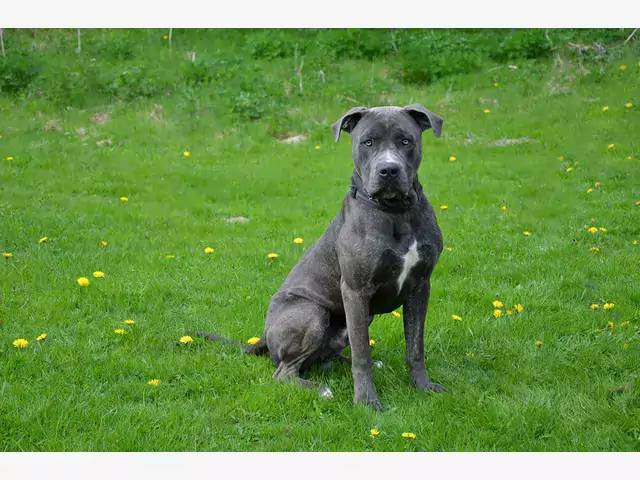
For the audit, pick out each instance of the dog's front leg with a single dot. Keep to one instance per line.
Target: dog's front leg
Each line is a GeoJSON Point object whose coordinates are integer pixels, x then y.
{"type": "Point", "coordinates": [356, 308]}
{"type": "Point", "coordinates": [415, 314]}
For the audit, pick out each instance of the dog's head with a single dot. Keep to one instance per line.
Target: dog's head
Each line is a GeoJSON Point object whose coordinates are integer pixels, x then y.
{"type": "Point", "coordinates": [387, 146]}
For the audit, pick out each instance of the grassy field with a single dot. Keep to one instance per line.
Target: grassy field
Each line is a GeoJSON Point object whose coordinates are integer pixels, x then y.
{"type": "Point", "coordinates": [536, 150]}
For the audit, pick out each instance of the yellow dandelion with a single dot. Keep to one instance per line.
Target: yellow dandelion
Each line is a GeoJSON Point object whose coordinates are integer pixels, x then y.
{"type": "Point", "coordinates": [452, 159]}
{"type": "Point", "coordinates": [611, 145]}
{"type": "Point", "coordinates": [317, 147]}
{"type": "Point", "coordinates": [625, 346]}
{"type": "Point", "coordinates": [609, 306]}
{"type": "Point", "coordinates": [610, 326]}
{"type": "Point", "coordinates": [593, 229]}
{"type": "Point", "coordinates": [372, 343]}
{"type": "Point", "coordinates": [635, 242]}
{"type": "Point", "coordinates": [273, 255]}
{"type": "Point", "coordinates": [638, 202]}
{"type": "Point", "coordinates": [487, 110]}
{"type": "Point", "coordinates": [7, 256]}
{"type": "Point", "coordinates": [589, 190]}
{"type": "Point", "coordinates": [602, 229]}
{"type": "Point", "coordinates": [154, 383]}
{"type": "Point", "coordinates": [253, 340]}
{"type": "Point", "coordinates": [594, 306]}
{"type": "Point", "coordinates": [409, 435]}
{"type": "Point", "coordinates": [103, 244]}
{"type": "Point", "coordinates": [449, 249]}
{"type": "Point", "coordinates": [165, 37]}
{"type": "Point", "coordinates": [186, 339]}
{"type": "Point", "coordinates": [457, 318]}
{"type": "Point", "coordinates": [518, 308]}
{"type": "Point", "coordinates": [497, 313]}
{"type": "Point", "coordinates": [43, 239]}
{"type": "Point", "coordinates": [539, 343]}
{"type": "Point", "coordinates": [208, 250]}
{"type": "Point", "coordinates": [129, 322]}
{"type": "Point", "coordinates": [124, 199]}
{"type": "Point", "coordinates": [83, 281]}
{"type": "Point", "coordinates": [623, 67]}
{"type": "Point", "coordinates": [624, 324]}
{"type": "Point", "coordinates": [498, 304]}
{"type": "Point", "coordinates": [374, 433]}
{"type": "Point", "coordinates": [9, 159]}
{"type": "Point", "coordinates": [395, 314]}
{"type": "Point", "coordinates": [509, 312]}
{"type": "Point", "coordinates": [20, 343]}
{"type": "Point", "coordinates": [569, 169]}
{"type": "Point", "coordinates": [629, 158]}
{"type": "Point", "coordinates": [496, 84]}
{"type": "Point", "coordinates": [526, 233]}
{"type": "Point", "coordinates": [561, 158]}
{"type": "Point", "coordinates": [187, 154]}
{"type": "Point", "coordinates": [41, 337]}
{"type": "Point", "coordinates": [628, 104]}
{"type": "Point", "coordinates": [470, 355]}
{"type": "Point", "coordinates": [298, 240]}
{"type": "Point", "coordinates": [120, 331]}
{"type": "Point", "coordinates": [169, 256]}
{"type": "Point", "coordinates": [504, 208]}
{"type": "Point", "coordinates": [98, 274]}
{"type": "Point", "coordinates": [443, 207]}
{"type": "Point", "coordinates": [605, 108]}
{"type": "Point", "coordinates": [594, 249]}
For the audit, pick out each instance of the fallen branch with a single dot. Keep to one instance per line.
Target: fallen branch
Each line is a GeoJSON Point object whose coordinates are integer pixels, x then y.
{"type": "Point", "coordinates": [630, 37]}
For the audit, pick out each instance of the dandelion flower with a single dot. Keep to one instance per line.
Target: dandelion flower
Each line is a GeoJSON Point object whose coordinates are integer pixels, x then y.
{"type": "Point", "coordinates": [504, 208]}
{"type": "Point", "coordinates": [626, 345]}
{"type": "Point", "coordinates": [569, 169]}
{"type": "Point", "coordinates": [374, 433]}
{"type": "Point", "coordinates": [610, 326]}
{"type": "Point", "coordinates": [129, 322]}
{"type": "Point", "coordinates": [635, 242]}
{"type": "Point", "coordinates": [253, 340]}
{"type": "Point", "coordinates": [589, 190]}
{"type": "Point", "coordinates": [395, 314]}
{"type": "Point", "coordinates": [103, 244]}
{"type": "Point", "coordinates": [98, 274]}
{"type": "Point", "coordinates": [602, 229]}
{"type": "Point", "coordinates": [9, 159]}
{"type": "Point", "coordinates": [509, 312]}
{"type": "Point", "coordinates": [498, 304]}
{"type": "Point", "coordinates": [539, 343]}
{"type": "Point", "coordinates": [165, 37]}
{"type": "Point", "coordinates": [169, 256]}
{"type": "Point", "coordinates": [372, 343]}
{"type": "Point", "coordinates": [120, 331]}
{"type": "Point", "coordinates": [594, 249]}
{"type": "Point", "coordinates": [518, 308]}
{"type": "Point", "coordinates": [487, 110]}
{"type": "Point", "coordinates": [623, 67]}
{"type": "Point", "coordinates": [43, 239]}
{"type": "Point", "coordinates": [561, 158]}
{"type": "Point", "coordinates": [624, 324]}
{"type": "Point", "coordinates": [409, 435]}
{"type": "Point", "coordinates": [7, 256]}
{"type": "Point", "coordinates": [83, 281]}
{"type": "Point", "coordinates": [497, 313]}
{"type": "Point", "coordinates": [629, 158]}
{"type": "Point", "coordinates": [594, 306]}
{"type": "Point", "coordinates": [186, 339]}
{"type": "Point", "coordinates": [443, 207]}
{"type": "Point", "coordinates": [470, 355]}
{"type": "Point", "coordinates": [317, 147]}
{"type": "Point", "coordinates": [593, 229]}
{"type": "Point", "coordinates": [41, 337]}
{"type": "Point", "coordinates": [20, 343]}
{"type": "Point", "coordinates": [605, 108]}
{"type": "Point", "coordinates": [609, 306]}
{"type": "Point", "coordinates": [456, 317]}
{"type": "Point", "coordinates": [187, 154]}
{"type": "Point", "coordinates": [154, 383]}
{"type": "Point", "coordinates": [526, 233]}
{"type": "Point", "coordinates": [449, 249]}
{"type": "Point", "coordinates": [298, 240]}
{"type": "Point", "coordinates": [628, 105]}
{"type": "Point", "coordinates": [124, 199]}
{"type": "Point", "coordinates": [611, 145]}
{"type": "Point", "coordinates": [496, 84]}
{"type": "Point", "coordinates": [208, 250]}
{"type": "Point", "coordinates": [452, 159]}
{"type": "Point", "coordinates": [638, 202]}
{"type": "Point", "coordinates": [273, 255]}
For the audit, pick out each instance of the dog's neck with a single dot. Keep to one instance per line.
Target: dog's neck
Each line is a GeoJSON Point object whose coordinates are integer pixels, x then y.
{"type": "Point", "coordinates": [358, 192]}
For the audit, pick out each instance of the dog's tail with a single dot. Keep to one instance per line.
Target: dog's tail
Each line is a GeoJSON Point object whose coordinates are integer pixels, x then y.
{"type": "Point", "coordinates": [259, 348]}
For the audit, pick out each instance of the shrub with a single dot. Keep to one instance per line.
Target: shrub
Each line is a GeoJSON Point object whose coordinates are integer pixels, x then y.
{"type": "Point", "coordinates": [18, 70]}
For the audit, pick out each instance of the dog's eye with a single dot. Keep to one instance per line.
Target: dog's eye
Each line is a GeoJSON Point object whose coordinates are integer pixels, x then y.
{"type": "Point", "coordinates": [406, 141]}
{"type": "Point", "coordinates": [368, 143]}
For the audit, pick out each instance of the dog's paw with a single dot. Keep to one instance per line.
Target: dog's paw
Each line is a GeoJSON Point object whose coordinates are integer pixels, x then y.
{"type": "Point", "coordinates": [433, 387]}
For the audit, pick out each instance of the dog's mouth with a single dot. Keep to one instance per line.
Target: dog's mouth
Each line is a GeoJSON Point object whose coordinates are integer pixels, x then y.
{"type": "Point", "coordinates": [389, 194]}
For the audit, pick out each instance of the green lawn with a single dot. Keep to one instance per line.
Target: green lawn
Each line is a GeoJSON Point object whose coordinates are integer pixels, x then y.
{"type": "Point", "coordinates": [85, 388]}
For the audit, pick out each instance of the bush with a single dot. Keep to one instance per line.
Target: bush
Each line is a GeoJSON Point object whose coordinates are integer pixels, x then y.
{"type": "Point", "coordinates": [18, 71]}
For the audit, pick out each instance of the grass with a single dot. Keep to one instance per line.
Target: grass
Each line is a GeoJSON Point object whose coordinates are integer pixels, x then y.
{"type": "Point", "coordinates": [84, 388]}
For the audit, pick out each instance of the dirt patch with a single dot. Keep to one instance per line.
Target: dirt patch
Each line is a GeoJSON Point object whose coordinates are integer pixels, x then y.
{"type": "Point", "coordinates": [237, 220]}
{"type": "Point", "coordinates": [503, 142]}
{"type": "Point", "coordinates": [292, 139]}
{"type": "Point", "coordinates": [53, 126]}
{"type": "Point", "coordinates": [100, 118]}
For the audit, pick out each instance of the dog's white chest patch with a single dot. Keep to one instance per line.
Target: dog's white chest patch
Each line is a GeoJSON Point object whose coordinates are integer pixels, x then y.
{"type": "Point", "coordinates": [409, 261]}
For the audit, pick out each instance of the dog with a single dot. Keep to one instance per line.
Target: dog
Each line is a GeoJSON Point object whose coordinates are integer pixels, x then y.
{"type": "Point", "coordinates": [377, 254]}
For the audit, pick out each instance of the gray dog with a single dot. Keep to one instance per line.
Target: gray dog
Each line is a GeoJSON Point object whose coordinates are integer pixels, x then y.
{"type": "Point", "coordinates": [377, 254]}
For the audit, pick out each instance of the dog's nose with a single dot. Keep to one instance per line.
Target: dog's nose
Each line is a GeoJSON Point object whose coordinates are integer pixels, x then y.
{"type": "Point", "coordinates": [389, 170]}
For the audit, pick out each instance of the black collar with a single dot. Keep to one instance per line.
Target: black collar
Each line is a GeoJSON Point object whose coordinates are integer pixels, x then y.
{"type": "Point", "coordinates": [358, 192]}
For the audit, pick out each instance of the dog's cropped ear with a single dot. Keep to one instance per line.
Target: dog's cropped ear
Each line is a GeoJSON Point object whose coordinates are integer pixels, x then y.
{"type": "Point", "coordinates": [348, 121]}
{"type": "Point", "coordinates": [425, 118]}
